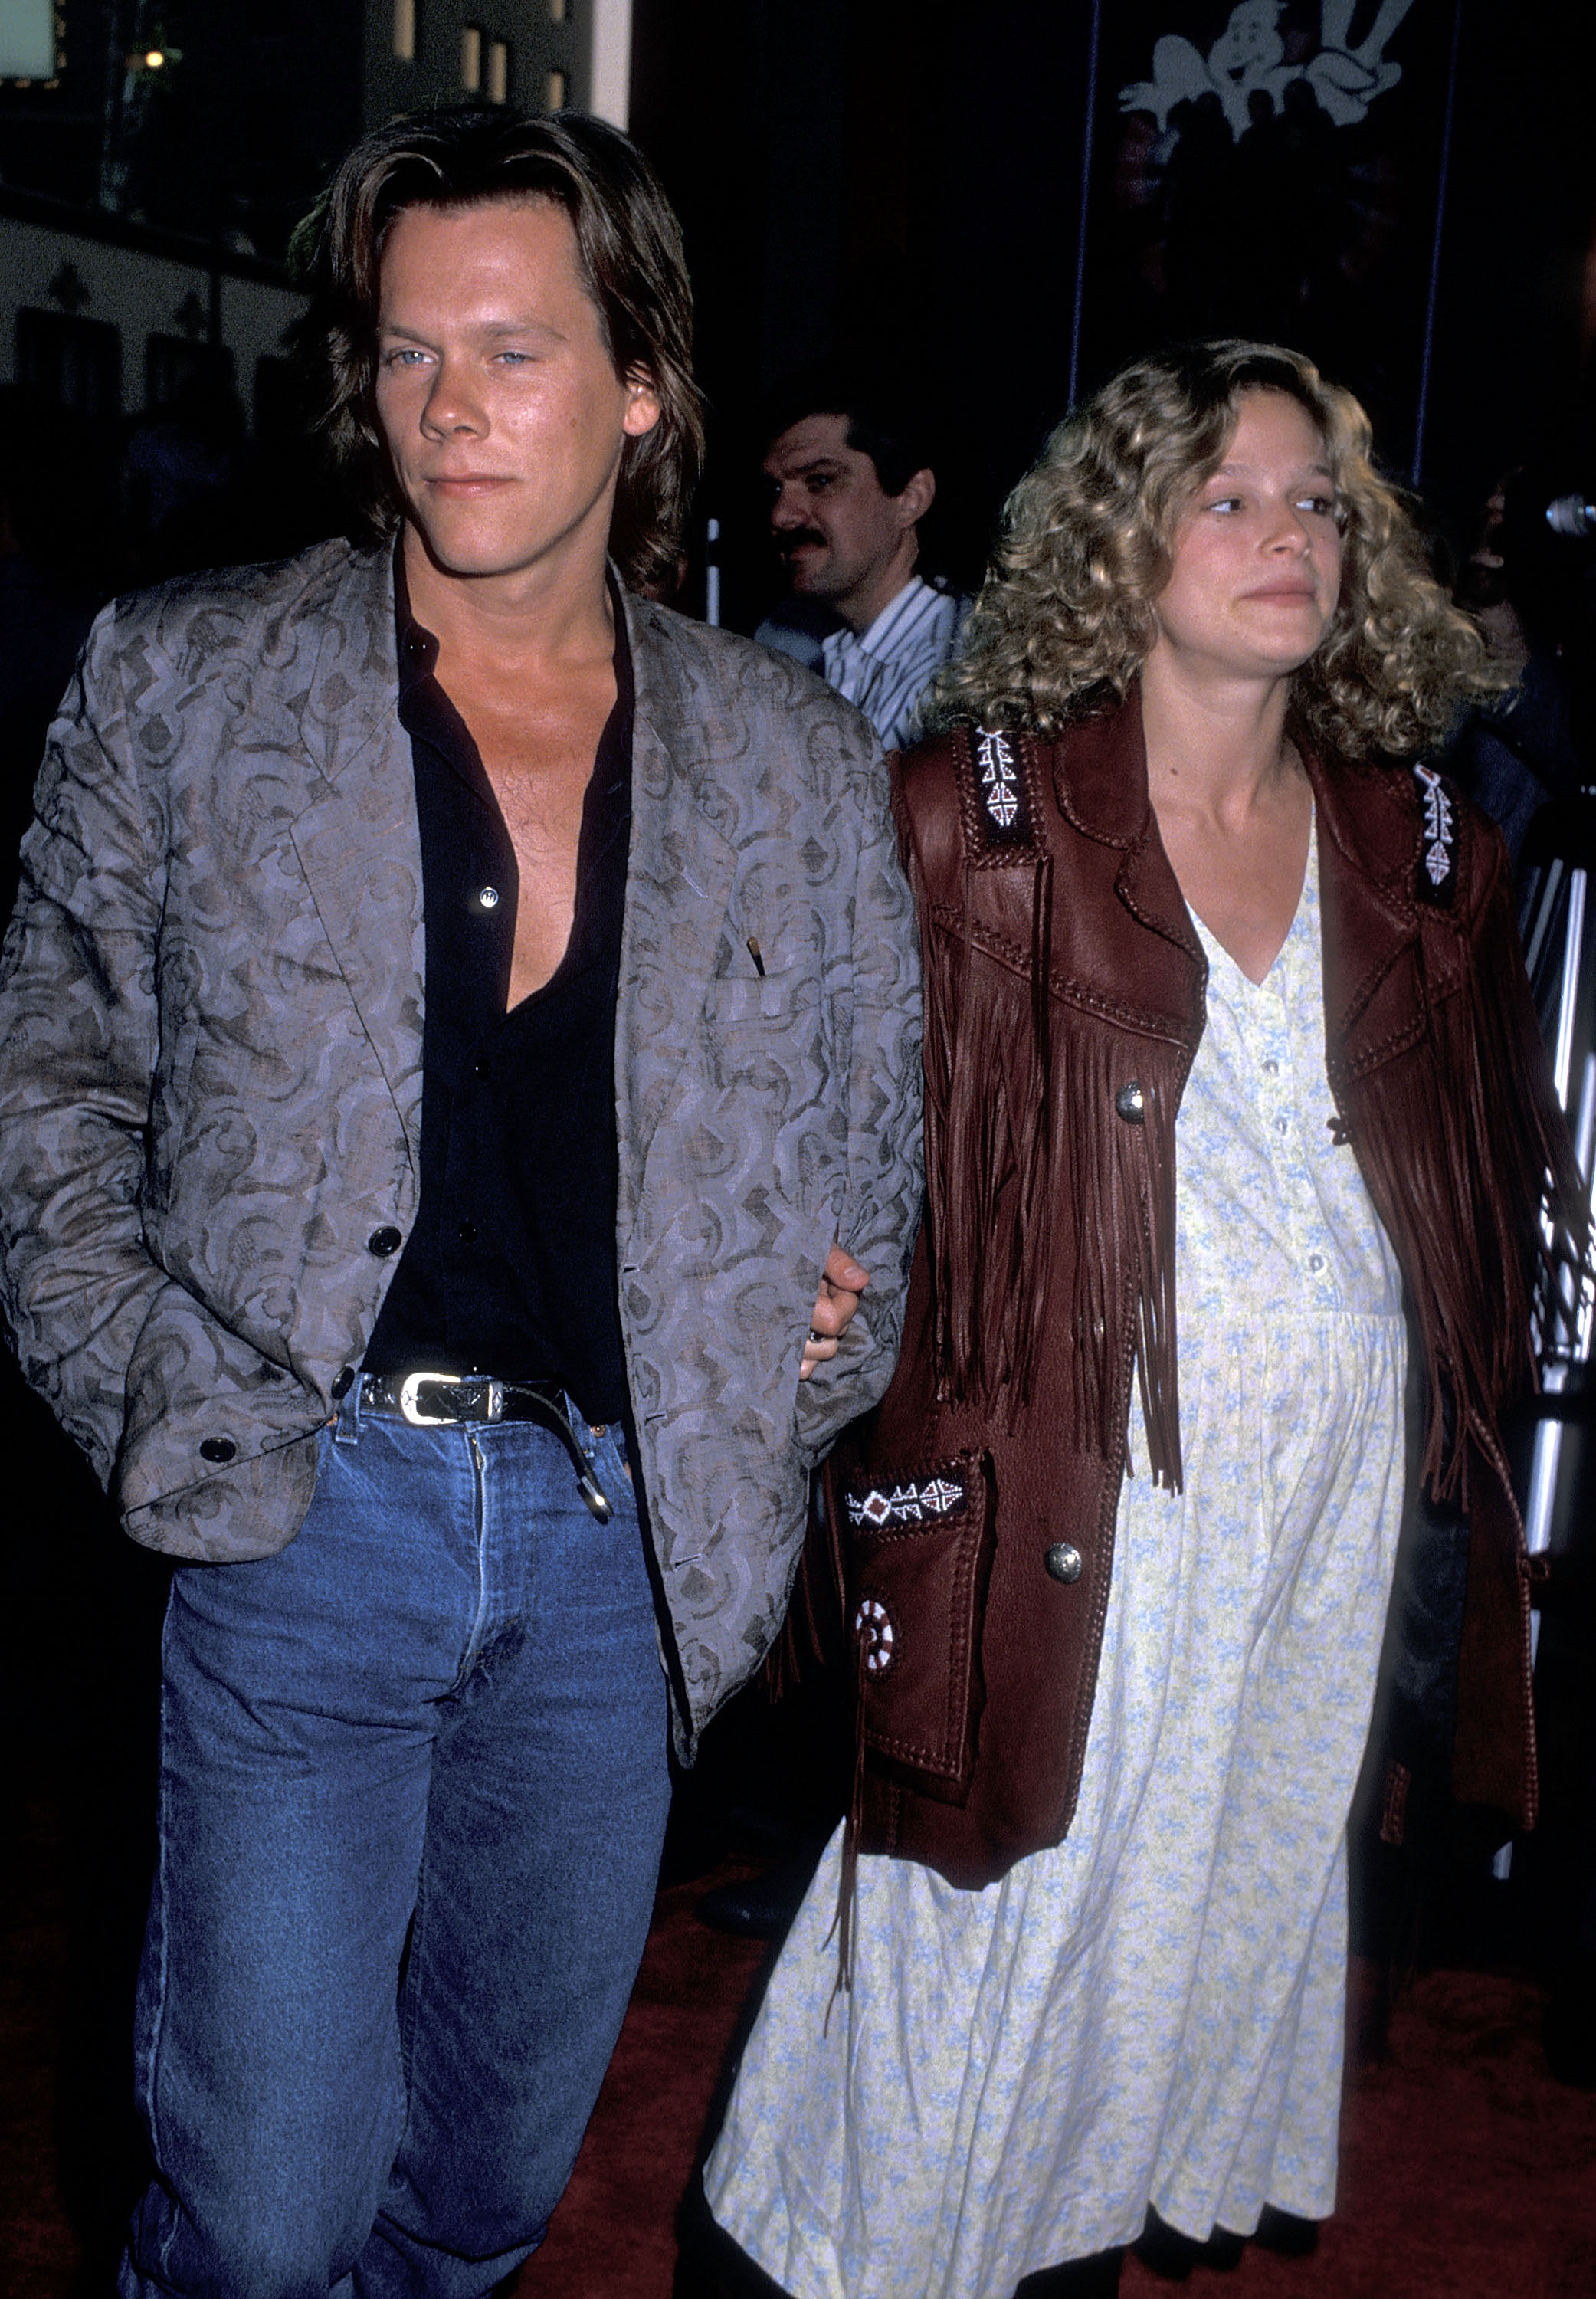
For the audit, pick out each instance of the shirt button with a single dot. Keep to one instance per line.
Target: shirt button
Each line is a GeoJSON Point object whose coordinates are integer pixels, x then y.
{"type": "Point", "coordinates": [383, 1241]}
{"type": "Point", "coordinates": [488, 897]}
{"type": "Point", "coordinates": [1063, 1562]}
{"type": "Point", "coordinates": [1282, 1124]}
{"type": "Point", "coordinates": [1316, 1261]}
{"type": "Point", "coordinates": [466, 1232]}
{"type": "Point", "coordinates": [1271, 1068]}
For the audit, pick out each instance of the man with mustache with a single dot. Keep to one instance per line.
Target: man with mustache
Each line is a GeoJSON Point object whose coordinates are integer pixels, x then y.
{"type": "Point", "coordinates": [851, 480]}
{"type": "Point", "coordinates": [456, 1016]}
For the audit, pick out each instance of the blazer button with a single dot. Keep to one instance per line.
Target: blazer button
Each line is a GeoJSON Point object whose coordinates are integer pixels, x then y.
{"type": "Point", "coordinates": [1131, 1103]}
{"type": "Point", "coordinates": [1063, 1562]}
{"type": "Point", "coordinates": [218, 1448]}
{"type": "Point", "coordinates": [383, 1241]}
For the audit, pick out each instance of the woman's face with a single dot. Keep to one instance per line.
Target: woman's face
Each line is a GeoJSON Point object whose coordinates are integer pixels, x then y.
{"type": "Point", "coordinates": [1256, 559]}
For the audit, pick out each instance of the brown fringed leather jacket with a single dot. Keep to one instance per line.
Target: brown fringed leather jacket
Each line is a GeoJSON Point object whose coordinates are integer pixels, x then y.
{"type": "Point", "coordinates": [1065, 1002]}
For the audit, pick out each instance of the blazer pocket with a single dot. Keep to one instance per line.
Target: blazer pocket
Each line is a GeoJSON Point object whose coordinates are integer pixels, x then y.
{"type": "Point", "coordinates": [918, 1552]}
{"type": "Point", "coordinates": [733, 1001]}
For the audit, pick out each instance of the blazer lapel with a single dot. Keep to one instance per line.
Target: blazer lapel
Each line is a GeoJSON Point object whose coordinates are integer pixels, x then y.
{"type": "Point", "coordinates": [358, 841]}
{"type": "Point", "coordinates": [678, 885]}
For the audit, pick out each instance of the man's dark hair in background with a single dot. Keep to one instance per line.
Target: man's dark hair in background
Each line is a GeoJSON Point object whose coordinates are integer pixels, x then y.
{"type": "Point", "coordinates": [887, 418]}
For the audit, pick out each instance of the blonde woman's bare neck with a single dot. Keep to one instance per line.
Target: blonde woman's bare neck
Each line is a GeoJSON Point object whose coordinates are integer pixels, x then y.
{"type": "Point", "coordinates": [1233, 806]}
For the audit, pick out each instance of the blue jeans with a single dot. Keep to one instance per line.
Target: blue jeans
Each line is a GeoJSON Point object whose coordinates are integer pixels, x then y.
{"type": "Point", "coordinates": [414, 1785]}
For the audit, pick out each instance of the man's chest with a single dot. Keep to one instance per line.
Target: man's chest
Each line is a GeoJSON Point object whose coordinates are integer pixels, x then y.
{"type": "Point", "coordinates": [538, 765]}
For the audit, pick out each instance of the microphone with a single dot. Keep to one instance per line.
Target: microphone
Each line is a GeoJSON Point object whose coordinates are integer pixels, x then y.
{"type": "Point", "coordinates": [1574, 516]}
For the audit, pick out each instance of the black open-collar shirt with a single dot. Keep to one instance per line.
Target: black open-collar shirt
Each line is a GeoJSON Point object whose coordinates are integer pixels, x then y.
{"type": "Point", "coordinates": [510, 1268]}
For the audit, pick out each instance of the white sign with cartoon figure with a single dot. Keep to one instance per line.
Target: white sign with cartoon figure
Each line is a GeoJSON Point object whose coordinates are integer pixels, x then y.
{"type": "Point", "coordinates": [1249, 58]}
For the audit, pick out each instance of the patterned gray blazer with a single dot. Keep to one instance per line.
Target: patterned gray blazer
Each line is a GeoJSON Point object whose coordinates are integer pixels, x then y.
{"type": "Point", "coordinates": [210, 1008]}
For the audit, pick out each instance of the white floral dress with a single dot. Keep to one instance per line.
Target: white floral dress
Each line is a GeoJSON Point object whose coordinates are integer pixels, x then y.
{"type": "Point", "coordinates": [1150, 2012]}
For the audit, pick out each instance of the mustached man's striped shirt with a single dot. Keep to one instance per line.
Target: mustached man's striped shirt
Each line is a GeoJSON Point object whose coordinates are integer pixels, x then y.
{"type": "Point", "coordinates": [884, 671]}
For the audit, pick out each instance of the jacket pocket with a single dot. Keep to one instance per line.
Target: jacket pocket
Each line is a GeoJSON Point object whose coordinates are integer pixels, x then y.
{"type": "Point", "coordinates": [919, 1551]}
{"type": "Point", "coordinates": [733, 1001]}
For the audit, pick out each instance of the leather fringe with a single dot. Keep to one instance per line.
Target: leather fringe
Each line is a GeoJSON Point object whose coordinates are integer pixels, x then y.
{"type": "Point", "coordinates": [1021, 1129]}
{"type": "Point", "coordinates": [1462, 1171]}
{"type": "Point", "coordinates": [847, 1880]}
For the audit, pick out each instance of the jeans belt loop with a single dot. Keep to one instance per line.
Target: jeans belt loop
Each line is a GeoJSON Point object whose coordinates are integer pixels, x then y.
{"type": "Point", "coordinates": [346, 1414]}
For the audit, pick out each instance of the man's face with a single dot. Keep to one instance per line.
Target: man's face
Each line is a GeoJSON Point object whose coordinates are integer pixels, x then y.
{"type": "Point", "coordinates": [496, 393]}
{"type": "Point", "coordinates": [835, 524]}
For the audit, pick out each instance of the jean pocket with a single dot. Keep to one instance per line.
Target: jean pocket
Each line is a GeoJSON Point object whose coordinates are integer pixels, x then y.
{"type": "Point", "coordinates": [919, 1553]}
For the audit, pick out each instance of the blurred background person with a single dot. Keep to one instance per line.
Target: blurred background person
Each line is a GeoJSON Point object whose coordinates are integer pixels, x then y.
{"type": "Point", "coordinates": [1522, 580]}
{"type": "Point", "coordinates": [852, 480]}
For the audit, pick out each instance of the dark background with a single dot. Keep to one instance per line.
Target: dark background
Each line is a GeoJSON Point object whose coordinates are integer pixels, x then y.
{"type": "Point", "coordinates": [900, 182]}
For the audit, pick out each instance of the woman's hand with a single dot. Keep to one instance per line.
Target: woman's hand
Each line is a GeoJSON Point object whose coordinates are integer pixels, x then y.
{"type": "Point", "coordinates": [842, 1281]}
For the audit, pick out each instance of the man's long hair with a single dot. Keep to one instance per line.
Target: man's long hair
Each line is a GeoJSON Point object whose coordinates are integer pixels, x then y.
{"type": "Point", "coordinates": [1065, 619]}
{"type": "Point", "coordinates": [629, 247]}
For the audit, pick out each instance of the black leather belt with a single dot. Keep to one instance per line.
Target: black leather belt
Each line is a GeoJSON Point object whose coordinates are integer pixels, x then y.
{"type": "Point", "coordinates": [440, 1400]}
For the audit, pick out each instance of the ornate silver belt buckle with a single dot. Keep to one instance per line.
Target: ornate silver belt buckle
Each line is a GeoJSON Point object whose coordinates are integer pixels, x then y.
{"type": "Point", "coordinates": [407, 1396]}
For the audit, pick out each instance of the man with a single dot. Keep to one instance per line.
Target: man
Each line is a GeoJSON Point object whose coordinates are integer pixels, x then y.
{"type": "Point", "coordinates": [460, 1363]}
{"type": "Point", "coordinates": [851, 482]}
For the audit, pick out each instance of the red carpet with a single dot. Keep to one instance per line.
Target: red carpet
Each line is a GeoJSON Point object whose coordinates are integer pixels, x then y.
{"type": "Point", "coordinates": [1467, 2170]}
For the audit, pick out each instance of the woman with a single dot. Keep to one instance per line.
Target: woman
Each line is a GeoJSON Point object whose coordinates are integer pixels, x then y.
{"type": "Point", "coordinates": [1224, 1017]}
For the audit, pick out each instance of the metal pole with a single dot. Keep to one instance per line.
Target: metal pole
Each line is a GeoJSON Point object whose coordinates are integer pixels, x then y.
{"type": "Point", "coordinates": [1566, 1333]}
{"type": "Point", "coordinates": [1422, 415]}
{"type": "Point", "coordinates": [1088, 138]}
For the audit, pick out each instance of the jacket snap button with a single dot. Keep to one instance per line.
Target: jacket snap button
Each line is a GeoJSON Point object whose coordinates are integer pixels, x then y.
{"type": "Point", "coordinates": [383, 1241]}
{"type": "Point", "coordinates": [1131, 1103]}
{"type": "Point", "coordinates": [1063, 1562]}
{"type": "Point", "coordinates": [218, 1448]}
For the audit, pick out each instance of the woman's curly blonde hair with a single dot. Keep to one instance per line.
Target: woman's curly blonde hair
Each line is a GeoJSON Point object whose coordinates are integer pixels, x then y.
{"type": "Point", "coordinates": [1065, 617]}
